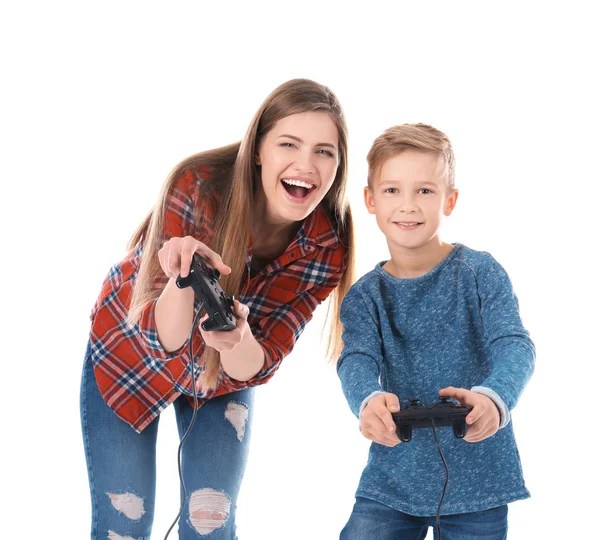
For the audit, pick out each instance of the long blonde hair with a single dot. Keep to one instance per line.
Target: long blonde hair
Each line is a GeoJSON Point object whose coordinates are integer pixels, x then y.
{"type": "Point", "coordinates": [235, 179]}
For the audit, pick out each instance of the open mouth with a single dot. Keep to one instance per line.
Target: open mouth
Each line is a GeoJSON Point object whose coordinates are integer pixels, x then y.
{"type": "Point", "coordinates": [298, 189]}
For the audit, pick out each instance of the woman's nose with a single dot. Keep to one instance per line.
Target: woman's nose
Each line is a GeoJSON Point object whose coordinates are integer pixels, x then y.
{"type": "Point", "coordinates": [304, 163]}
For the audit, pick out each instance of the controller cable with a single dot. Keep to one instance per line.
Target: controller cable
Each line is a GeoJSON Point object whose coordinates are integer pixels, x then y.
{"type": "Point", "coordinates": [437, 517]}
{"type": "Point", "coordinates": [189, 429]}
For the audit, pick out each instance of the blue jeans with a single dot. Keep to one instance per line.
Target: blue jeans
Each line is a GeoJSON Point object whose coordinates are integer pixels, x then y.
{"type": "Point", "coordinates": [370, 519]}
{"type": "Point", "coordinates": [122, 465]}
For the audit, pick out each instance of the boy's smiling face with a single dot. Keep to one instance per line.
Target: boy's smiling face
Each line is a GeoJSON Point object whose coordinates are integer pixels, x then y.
{"type": "Point", "coordinates": [409, 198]}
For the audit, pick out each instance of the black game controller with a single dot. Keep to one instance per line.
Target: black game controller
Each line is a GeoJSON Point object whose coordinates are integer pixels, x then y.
{"type": "Point", "coordinates": [205, 282]}
{"type": "Point", "coordinates": [443, 413]}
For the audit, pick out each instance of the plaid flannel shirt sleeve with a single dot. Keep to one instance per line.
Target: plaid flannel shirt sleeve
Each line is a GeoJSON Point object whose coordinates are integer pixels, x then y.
{"type": "Point", "coordinates": [178, 222]}
{"type": "Point", "coordinates": [110, 311]}
{"type": "Point", "coordinates": [278, 332]}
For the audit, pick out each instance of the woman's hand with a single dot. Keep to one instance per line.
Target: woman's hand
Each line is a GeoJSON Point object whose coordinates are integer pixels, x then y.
{"type": "Point", "coordinates": [376, 422]}
{"type": "Point", "coordinates": [483, 420]}
{"type": "Point", "coordinates": [176, 254]}
{"type": "Point", "coordinates": [228, 341]}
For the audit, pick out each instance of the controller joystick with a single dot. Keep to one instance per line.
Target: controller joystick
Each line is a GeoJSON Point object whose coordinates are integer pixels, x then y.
{"type": "Point", "coordinates": [205, 282]}
{"type": "Point", "coordinates": [441, 414]}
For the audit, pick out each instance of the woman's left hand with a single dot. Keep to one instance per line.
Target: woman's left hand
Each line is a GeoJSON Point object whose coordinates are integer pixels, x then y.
{"type": "Point", "coordinates": [228, 341]}
{"type": "Point", "coordinates": [483, 420]}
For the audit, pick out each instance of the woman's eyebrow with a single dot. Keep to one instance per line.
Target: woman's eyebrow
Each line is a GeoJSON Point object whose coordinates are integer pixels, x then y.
{"type": "Point", "coordinates": [301, 141]}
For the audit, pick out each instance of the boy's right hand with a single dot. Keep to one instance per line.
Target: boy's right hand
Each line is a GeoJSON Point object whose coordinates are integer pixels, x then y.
{"type": "Point", "coordinates": [376, 422]}
{"type": "Point", "coordinates": [176, 254]}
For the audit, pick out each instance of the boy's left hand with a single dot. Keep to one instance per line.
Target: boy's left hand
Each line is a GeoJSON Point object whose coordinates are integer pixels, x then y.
{"type": "Point", "coordinates": [483, 420]}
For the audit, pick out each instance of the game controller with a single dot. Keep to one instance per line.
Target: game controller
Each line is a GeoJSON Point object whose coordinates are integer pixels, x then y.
{"type": "Point", "coordinates": [205, 282]}
{"type": "Point", "coordinates": [443, 413]}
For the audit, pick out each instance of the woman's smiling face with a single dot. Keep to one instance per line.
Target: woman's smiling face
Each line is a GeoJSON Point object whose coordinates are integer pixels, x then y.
{"type": "Point", "coordinates": [299, 158]}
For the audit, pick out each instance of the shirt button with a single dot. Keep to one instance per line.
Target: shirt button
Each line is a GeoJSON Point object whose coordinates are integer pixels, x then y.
{"type": "Point", "coordinates": [292, 255]}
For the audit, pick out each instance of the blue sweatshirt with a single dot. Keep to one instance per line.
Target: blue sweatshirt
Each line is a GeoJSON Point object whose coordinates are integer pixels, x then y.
{"type": "Point", "coordinates": [458, 325]}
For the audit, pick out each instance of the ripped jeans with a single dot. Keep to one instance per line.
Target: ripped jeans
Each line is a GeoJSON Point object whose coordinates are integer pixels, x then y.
{"type": "Point", "coordinates": [122, 466]}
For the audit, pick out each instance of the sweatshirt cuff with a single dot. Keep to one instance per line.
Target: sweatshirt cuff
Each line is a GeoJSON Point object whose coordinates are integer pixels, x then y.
{"type": "Point", "coordinates": [498, 401]}
{"type": "Point", "coordinates": [365, 402]}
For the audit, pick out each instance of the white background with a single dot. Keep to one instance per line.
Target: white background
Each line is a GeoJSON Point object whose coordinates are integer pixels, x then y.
{"type": "Point", "coordinates": [101, 99]}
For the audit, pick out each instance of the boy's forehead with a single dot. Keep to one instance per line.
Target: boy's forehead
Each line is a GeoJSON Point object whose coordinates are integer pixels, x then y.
{"type": "Point", "coordinates": [411, 165]}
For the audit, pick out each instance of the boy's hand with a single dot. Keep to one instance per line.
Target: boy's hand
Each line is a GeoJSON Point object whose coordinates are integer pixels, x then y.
{"type": "Point", "coordinates": [483, 420]}
{"type": "Point", "coordinates": [376, 422]}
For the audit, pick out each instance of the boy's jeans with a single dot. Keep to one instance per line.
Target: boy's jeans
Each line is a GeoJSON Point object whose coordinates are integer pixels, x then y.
{"type": "Point", "coordinates": [370, 519]}
{"type": "Point", "coordinates": [122, 466]}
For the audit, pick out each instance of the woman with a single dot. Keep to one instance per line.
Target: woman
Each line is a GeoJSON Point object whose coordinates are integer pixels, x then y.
{"type": "Point", "coordinates": [274, 208]}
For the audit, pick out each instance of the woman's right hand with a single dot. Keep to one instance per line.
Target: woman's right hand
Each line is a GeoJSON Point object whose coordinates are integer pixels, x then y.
{"type": "Point", "coordinates": [175, 256]}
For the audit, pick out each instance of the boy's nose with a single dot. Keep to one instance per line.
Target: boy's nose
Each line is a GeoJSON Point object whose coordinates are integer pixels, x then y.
{"type": "Point", "coordinates": [407, 204]}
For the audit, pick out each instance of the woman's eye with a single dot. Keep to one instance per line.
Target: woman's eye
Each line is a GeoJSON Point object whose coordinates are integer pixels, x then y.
{"type": "Point", "coordinates": [287, 145]}
{"type": "Point", "coordinates": [325, 152]}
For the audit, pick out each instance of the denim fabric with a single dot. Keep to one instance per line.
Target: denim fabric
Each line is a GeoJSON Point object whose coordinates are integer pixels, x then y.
{"type": "Point", "coordinates": [122, 465]}
{"type": "Point", "coordinates": [370, 519]}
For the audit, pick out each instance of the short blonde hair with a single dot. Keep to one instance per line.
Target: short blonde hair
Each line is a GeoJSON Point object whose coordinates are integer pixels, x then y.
{"type": "Point", "coordinates": [423, 137]}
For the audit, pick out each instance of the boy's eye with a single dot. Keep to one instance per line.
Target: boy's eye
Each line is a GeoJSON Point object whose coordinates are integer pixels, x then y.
{"type": "Point", "coordinates": [391, 190]}
{"type": "Point", "coordinates": [425, 191]}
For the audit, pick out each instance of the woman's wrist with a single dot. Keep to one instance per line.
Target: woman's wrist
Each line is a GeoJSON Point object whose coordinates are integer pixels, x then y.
{"type": "Point", "coordinates": [174, 315]}
{"type": "Point", "coordinates": [246, 360]}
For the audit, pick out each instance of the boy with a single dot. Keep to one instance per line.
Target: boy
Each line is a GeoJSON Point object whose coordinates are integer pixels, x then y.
{"type": "Point", "coordinates": [435, 320]}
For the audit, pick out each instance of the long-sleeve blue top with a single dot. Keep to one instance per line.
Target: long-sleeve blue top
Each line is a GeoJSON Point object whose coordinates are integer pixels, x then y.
{"type": "Point", "coordinates": [458, 325]}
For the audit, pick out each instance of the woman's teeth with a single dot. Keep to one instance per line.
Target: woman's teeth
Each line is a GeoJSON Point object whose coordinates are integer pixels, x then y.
{"type": "Point", "coordinates": [298, 183]}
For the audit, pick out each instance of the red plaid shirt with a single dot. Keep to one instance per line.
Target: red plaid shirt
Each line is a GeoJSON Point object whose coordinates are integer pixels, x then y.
{"type": "Point", "coordinates": [138, 378]}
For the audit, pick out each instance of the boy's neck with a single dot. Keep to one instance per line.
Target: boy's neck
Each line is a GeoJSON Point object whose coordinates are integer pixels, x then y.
{"type": "Point", "coordinates": [416, 262]}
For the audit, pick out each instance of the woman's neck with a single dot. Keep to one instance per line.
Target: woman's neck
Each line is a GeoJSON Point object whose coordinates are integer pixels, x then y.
{"type": "Point", "coordinates": [270, 238]}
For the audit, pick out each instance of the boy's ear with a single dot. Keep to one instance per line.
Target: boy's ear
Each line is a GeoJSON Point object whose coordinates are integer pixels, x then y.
{"type": "Point", "coordinates": [369, 201]}
{"type": "Point", "coordinates": [450, 202]}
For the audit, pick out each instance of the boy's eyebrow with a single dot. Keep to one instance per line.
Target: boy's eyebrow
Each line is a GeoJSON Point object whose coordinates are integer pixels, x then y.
{"type": "Point", "coordinates": [301, 141]}
{"type": "Point", "coordinates": [419, 182]}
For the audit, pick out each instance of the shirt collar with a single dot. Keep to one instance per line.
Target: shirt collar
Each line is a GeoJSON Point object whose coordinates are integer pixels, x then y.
{"type": "Point", "coordinates": [318, 229]}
